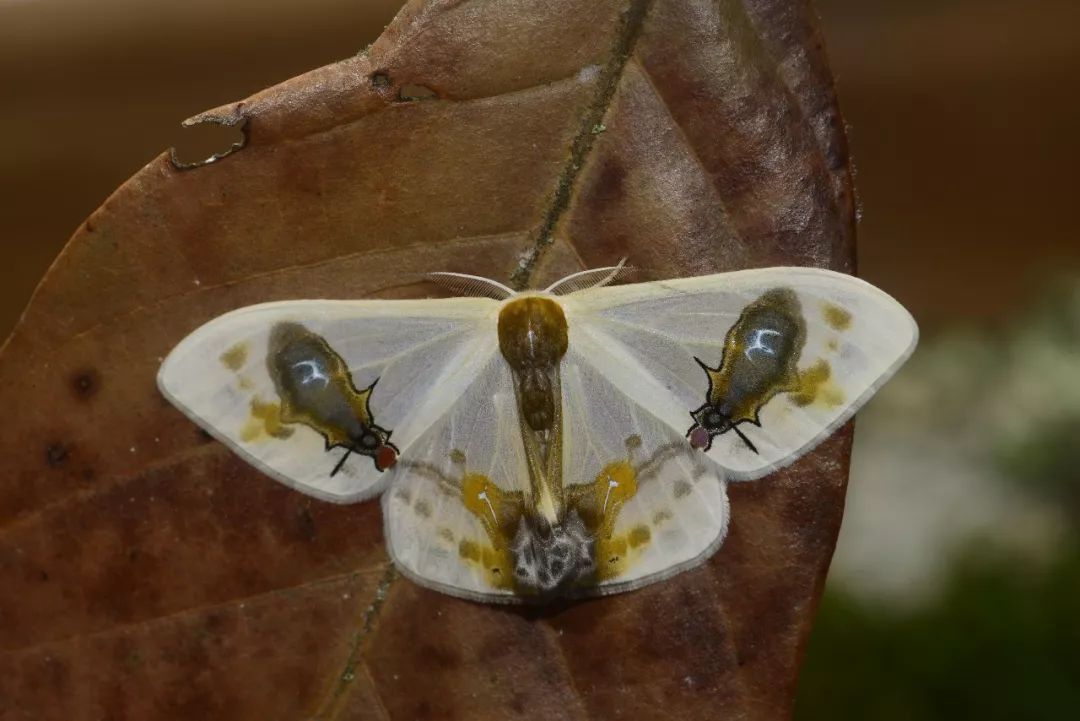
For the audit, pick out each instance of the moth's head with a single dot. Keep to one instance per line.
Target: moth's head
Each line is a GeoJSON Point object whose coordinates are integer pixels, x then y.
{"type": "Point", "coordinates": [551, 558]}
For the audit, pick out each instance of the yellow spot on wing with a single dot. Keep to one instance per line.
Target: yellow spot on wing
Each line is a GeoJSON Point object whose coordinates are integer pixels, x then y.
{"type": "Point", "coordinates": [265, 421]}
{"type": "Point", "coordinates": [614, 486]}
{"type": "Point", "coordinates": [495, 563]}
{"type": "Point", "coordinates": [235, 358]}
{"type": "Point", "coordinates": [838, 318]}
{"type": "Point", "coordinates": [639, 536]}
{"type": "Point", "coordinates": [816, 387]}
{"type": "Point", "coordinates": [484, 500]}
{"type": "Point", "coordinates": [615, 555]}
{"type": "Point", "coordinates": [469, 550]}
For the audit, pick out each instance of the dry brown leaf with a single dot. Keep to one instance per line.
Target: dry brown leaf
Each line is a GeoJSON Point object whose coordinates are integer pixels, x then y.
{"type": "Point", "coordinates": [149, 574]}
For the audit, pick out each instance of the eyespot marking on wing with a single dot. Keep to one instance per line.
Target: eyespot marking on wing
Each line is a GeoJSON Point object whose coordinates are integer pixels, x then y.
{"type": "Point", "coordinates": [316, 390]}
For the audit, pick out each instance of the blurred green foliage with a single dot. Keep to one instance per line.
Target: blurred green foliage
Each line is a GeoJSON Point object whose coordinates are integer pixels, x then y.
{"type": "Point", "coordinates": [1047, 464]}
{"type": "Point", "coordinates": [1001, 642]}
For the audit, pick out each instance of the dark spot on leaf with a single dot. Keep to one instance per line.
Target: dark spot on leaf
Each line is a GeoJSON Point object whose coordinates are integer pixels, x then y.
{"type": "Point", "coordinates": [305, 524]}
{"type": "Point", "coordinates": [440, 657]}
{"type": "Point", "coordinates": [56, 454]}
{"type": "Point", "coordinates": [380, 80]}
{"type": "Point", "coordinates": [517, 703]}
{"type": "Point", "coordinates": [85, 384]}
{"type": "Point", "coordinates": [609, 185]}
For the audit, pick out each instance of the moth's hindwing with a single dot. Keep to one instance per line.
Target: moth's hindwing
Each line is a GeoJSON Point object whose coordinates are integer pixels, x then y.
{"type": "Point", "coordinates": [639, 503]}
{"type": "Point", "coordinates": [460, 481]}
{"type": "Point", "coordinates": [655, 505]}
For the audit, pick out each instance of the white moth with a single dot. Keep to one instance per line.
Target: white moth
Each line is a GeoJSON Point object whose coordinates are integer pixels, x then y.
{"type": "Point", "coordinates": [568, 442]}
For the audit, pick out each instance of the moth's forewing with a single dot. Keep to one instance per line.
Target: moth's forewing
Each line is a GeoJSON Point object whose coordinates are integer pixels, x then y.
{"type": "Point", "coordinates": [699, 350]}
{"type": "Point", "coordinates": [298, 387]}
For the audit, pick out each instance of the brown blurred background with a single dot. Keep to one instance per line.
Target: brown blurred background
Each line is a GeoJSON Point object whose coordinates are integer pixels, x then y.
{"type": "Point", "coordinates": [963, 115]}
{"type": "Point", "coordinates": [965, 126]}
{"type": "Point", "coordinates": [963, 118]}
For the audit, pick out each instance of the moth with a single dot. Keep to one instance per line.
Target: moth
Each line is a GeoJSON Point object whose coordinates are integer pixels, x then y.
{"type": "Point", "coordinates": [570, 442]}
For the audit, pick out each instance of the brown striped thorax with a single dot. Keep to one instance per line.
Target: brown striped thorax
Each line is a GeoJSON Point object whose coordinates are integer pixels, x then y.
{"type": "Point", "coordinates": [533, 338]}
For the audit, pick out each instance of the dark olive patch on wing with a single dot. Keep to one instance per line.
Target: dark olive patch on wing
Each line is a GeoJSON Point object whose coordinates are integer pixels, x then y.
{"type": "Point", "coordinates": [759, 361]}
{"type": "Point", "coordinates": [761, 352]}
{"type": "Point", "coordinates": [315, 386]}
{"type": "Point", "coordinates": [316, 390]}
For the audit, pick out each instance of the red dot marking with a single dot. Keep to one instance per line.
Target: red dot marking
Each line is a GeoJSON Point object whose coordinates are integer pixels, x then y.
{"type": "Point", "coordinates": [385, 457]}
{"type": "Point", "coordinates": [699, 437]}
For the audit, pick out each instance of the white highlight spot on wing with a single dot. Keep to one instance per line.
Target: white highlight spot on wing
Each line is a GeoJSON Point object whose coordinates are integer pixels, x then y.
{"type": "Point", "coordinates": [757, 343]}
{"type": "Point", "coordinates": [312, 373]}
{"type": "Point", "coordinates": [483, 496]}
{"type": "Point", "coordinates": [611, 483]}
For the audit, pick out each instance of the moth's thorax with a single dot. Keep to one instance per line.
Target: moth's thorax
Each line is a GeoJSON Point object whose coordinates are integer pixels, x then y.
{"type": "Point", "coordinates": [533, 340]}
{"type": "Point", "coordinates": [532, 332]}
